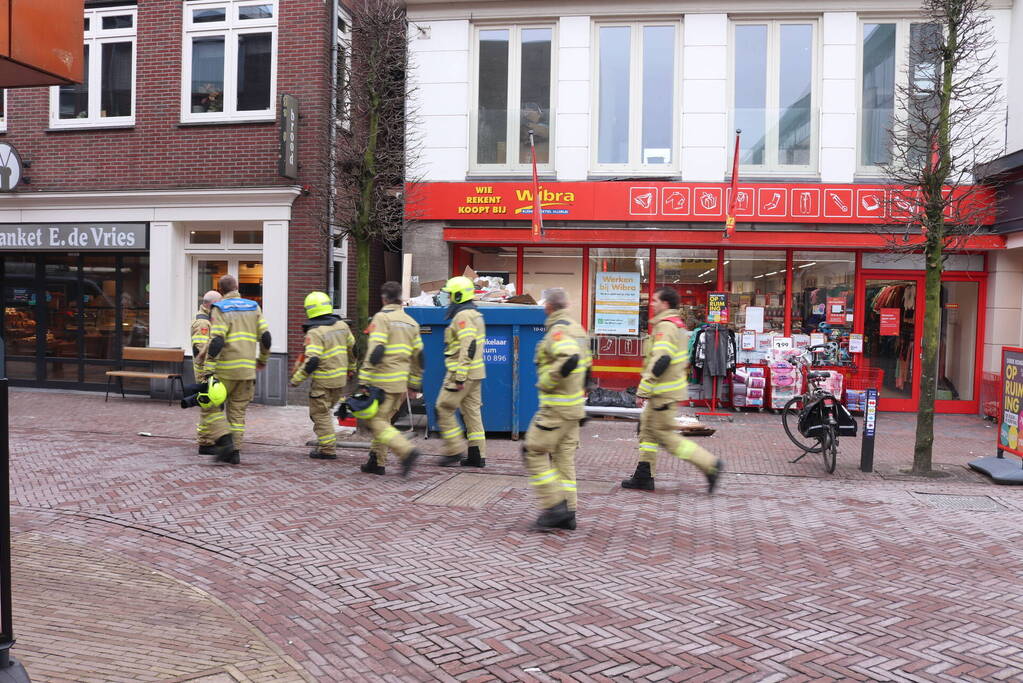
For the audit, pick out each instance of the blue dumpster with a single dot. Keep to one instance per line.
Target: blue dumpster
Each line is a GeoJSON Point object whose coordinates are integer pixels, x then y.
{"type": "Point", "coordinates": [509, 391]}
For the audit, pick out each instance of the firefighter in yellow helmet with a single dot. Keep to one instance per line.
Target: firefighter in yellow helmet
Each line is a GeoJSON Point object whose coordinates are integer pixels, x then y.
{"type": "Point", "coordinates": [463, 359]}
{"type": "Point", "coordinates": [562, 362]}
{"type": "Point", "coordinates": [662, 386]}
{"type": "Point", "coordinates": [325, 361]}
{"type": "Point", "coordinates": [200, 334]}
{"type": "Point", "coordinates": [393, 365]}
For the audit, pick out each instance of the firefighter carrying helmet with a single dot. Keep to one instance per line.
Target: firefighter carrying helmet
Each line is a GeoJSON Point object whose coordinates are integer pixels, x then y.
{"type": "Point", "coordinates": [214, 394]}
{"type": "Point", "coordinates": [365, 402]}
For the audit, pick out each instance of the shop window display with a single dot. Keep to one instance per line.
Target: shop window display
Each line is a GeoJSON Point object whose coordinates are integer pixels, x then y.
{"type": "Point", "coordinates": [756, 278]}
{"type": "Point", "coordinates": [823, 284]}
{"type": "Point", "coordinates": [619, 304]}
{"type": "Point", "coordinates": [693, 273]}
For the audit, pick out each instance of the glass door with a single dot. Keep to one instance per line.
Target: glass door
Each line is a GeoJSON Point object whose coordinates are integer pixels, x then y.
{"type": "Point", "coordinates": [207, 271]}
{"type": "Point", "coordinates": [957, 353]}
{"type": "Point", "coordinates": [891, 340]}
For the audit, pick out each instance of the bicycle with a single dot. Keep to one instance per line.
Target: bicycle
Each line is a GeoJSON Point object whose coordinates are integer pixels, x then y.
{"type": "Point", "coordinates": [815, 419]}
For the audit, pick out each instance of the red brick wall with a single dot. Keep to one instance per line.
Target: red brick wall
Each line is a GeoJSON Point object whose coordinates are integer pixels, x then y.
{"type": "Point", "coordinates": [159, 153]}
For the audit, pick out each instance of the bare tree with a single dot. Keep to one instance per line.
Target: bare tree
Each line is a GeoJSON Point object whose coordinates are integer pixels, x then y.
{"type": "Point", "coordinates": [371, 153]}
{"type": "Point", "coordinates": [948, 118]}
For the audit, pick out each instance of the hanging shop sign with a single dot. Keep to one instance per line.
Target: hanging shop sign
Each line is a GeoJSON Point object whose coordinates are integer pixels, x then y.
{"type": "Point", "coordinates": [664, 201]}
{"type": "Point", "coordinates": [616, 304]}
{"type": "Point", "coordinates": [287, 160]}
{"type": "Point", "coordinates": [1011, 414]}
{"type": "Point", "coordinates": [717, 307]}
{"type": "Point", "coordinates": [890, 321]}
{"type": "Point", "coordinates": [74, 237]}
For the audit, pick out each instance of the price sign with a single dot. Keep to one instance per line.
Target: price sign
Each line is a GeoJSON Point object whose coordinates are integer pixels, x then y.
{"type": "Point", "coordinates": [782, 343]}
{"type": "Point", "coordinates": [855, 343]}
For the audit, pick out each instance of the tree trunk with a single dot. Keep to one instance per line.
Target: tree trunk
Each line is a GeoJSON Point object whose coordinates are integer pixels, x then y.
{"type": "Point", "coordinates": [929, 363]}
{"type": "Point", "coordinates": [362, 283]}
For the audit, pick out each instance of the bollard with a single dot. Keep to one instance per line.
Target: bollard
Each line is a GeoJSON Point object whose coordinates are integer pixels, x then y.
{"type": "Point", "coordinates": [869, 426]}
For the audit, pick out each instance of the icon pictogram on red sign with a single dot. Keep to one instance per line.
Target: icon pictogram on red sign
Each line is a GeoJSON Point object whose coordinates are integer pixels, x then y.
{"type": "Point", "coordinates": [838, 203]}
{"type": "Point", "coordinates": [707, 201]}
{"type": "Point", "coordinates": [905, 203]}
{"type": "Point", "coordinates": [643, 201]}
{"type": "Point", "coordinates": [676, 201]}
{"type": "Point", "coordinates": [771, 201]}
{"type": "Point", "coordinates": [743, 200]}
{"type": "Point", "coordinates": [870, 203]}
{"type": "Point", "coordinates": [805, 203]}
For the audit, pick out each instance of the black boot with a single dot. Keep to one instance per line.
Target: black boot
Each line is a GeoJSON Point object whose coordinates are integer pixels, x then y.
{"type": "Point", "coordinates": [712, 476]}
{"type": "Point", "coordinates": [207, 449]}
{"type": "Point", "coordinates": [641, 479]}
{"type": "Point", "coordinates": [235, 458]}
{"type": "Point", "coordinates": [371, 466]}
{"type": "Point", "coordinates": [315, 454]}
{"type": "Point", "coordinates": [473, 459]}
{"type": "Point", "coordinates": [554, 517]}
{"type": "Point", "coordinates": [409, 462]}
{"type": "Point", "coordinates": [569, 522]}
{"type": "Point", "coordinates": [223, 448]}
{"type": "Point", "coordinates": [450, 461]}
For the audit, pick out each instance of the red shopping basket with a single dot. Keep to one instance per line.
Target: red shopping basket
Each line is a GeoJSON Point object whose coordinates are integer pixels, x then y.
{"type": "Point", "coordinates": [857, 383]}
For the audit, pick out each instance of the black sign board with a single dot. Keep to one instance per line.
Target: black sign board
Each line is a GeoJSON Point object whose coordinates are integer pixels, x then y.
{"type": "Point", "coordinates": [287, 161]}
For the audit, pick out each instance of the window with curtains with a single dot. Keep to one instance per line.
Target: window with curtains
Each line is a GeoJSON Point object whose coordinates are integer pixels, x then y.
{"type": "Point", "coordinates": [514, 67]}
{"type": "Point", "coordinates": [636, 97]}
{"type": "Point", "coordinates": [230, 60]}
{"type": "Point", "coordinates": [106, 96]}
{"type": "Point", "coordinates": [774, 81]}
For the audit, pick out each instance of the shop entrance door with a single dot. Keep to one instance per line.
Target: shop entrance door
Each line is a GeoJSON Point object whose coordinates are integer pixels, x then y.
{"type": "Point", "coordinates": [891, 338]}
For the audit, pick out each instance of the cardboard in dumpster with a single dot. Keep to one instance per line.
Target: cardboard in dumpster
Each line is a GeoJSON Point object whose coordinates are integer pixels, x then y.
{"type": "Point", "coordinates": [470, 273]}
{"type": "Point", "coordinates": [521, 299]}
{"type": "Point", "coordinates": [431, 286]}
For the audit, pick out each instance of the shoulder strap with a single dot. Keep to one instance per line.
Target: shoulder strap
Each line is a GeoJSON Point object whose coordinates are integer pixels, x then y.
{"type": "Point", "coordinates": [202, 316]}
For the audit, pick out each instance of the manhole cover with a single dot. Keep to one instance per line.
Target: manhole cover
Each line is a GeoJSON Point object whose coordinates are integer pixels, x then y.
{"type": "Point", "coordinates": [473, 490]}
{"type": "Point", "coordinates": [953, 502]}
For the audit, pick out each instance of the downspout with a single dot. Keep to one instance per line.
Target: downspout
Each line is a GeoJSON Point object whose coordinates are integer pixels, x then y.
{"type": "Point", "coordinates": [332, 153]}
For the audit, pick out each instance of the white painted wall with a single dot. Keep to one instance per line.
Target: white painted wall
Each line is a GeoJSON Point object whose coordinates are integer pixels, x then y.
{"type": "Point", "coordinates": [439, 55]}
{"type": "Point", "coordinates": [572, 132]}
{"type": "Point", "coordinates": [1004, 322]}
{"type": "Point", "coordinates": [839, 102]}
{"type": "Point", "coordinates": [1014, 95]}
{"type": "Point", "coordinates": [705, 137]}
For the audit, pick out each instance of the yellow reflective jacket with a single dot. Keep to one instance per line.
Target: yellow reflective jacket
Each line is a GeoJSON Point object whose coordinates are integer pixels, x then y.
{"type": "Point", "coordinates": [328, 339]}
{"type": "Point", "coordinates": [462, 357]}
{"type": "Point", "coordinates": [240, 322]}
{"type": "Point", "coordinates": [200, 337]}
{"type": "Point", "coordinates": [400, 367]}
{"type": "Point", "coordinates": [564, 340]}
{"type": "Point", "coordinates": [668, 339]}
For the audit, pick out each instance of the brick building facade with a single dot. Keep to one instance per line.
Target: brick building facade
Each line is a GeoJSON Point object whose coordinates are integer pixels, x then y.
{"type": "Point", "coordinates": [175, 135]}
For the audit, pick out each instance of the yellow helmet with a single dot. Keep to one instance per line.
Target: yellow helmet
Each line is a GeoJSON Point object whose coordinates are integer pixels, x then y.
{"type": "Point", "coordinates": [214, 395]}
{"type": "Point", "coordinates": [317, 304]}
{"type": "Point", "coordinates": [460, 289]}
{"type": "Point", "coordinates": [365, 402]}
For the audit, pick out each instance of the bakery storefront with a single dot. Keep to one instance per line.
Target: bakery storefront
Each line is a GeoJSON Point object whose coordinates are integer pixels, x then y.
{"type": "Point", "coordinates": [74, 295]}
{"type": "Point", "coordinates": [803, 255]}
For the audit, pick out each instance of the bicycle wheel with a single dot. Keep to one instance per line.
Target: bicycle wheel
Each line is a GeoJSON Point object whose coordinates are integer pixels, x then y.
{"type": "Point", "coordinates": [829, 448]}
{"type": "Point", "coordinates": [790, 420]}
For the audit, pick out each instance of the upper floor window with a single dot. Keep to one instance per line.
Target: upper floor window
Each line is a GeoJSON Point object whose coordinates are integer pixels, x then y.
{"type": "Point", "coordinates": [888, 59]}
{"type": "Point", "coordinates": [773, 83]}
{"type": "Point", "coordinates": [230, 59]}
{"type": "Point", "coordinates": [637, 97]}
{"type": "Point", "coordinates": [514, 69]}
{"type": "Point", "coordinates": [106, 95]}
{"type": "Point", "coordinates": [343, 66]}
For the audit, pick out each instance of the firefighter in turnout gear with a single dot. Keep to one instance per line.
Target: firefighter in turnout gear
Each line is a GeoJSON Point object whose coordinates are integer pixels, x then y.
{"type": "Point", "coordinates": [239, 344]}
{"type": "Point", "coordinates": [325, 361]}
{"type": "Point", "coordinates": [393, 364]}
{"type": "Point", "coordinates": [463, 358]}
{"type": "Point", "coordinates": [200, 334]}
{"type": "Point", "coordinates": [662, 386]}
{"type": "Point", "coordinates": [562, 365]}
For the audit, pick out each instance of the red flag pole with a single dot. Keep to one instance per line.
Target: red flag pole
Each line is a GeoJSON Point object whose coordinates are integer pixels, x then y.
{"type": "Point", "coordinates": [730, 210]}
{"type": "Point", "coordinates": [537, 218]}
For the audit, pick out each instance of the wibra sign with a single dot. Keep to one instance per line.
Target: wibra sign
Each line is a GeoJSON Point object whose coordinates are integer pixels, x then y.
{"type": "Point", "coordinates": [660, 201]}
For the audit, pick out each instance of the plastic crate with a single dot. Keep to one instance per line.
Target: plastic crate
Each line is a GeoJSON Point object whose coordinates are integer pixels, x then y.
{"type": "Point", "coordinates": [857, 383]}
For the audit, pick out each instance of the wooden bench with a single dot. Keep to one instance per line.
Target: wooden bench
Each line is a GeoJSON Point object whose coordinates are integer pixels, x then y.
{"type": "Point", "coordinates": [151, 355]}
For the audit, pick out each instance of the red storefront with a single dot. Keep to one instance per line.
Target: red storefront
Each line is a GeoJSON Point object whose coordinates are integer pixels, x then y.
{"type": "Point", "coordinates": [803, 254]}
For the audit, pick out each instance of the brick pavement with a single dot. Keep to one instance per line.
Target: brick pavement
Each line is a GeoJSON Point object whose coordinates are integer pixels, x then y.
{"type": "Point", "coordinates": [786, 573]}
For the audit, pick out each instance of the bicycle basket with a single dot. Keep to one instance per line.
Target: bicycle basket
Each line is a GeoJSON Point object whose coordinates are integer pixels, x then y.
{"type": "Point", "coordinates": [814, 417]}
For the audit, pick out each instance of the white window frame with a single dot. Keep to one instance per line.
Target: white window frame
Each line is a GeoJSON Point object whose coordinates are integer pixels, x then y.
{"type": "Point", "coordinates": [902, 34]}
{"type": "Point", "coordinates": [340, 259]}
{"type": "Point", "coordinates": [511, 167]}
{"type": "Point", "coordinates": [3, 118]}
{"type": "Point", "coordinates": [773, 76]}
{"type": "Point", "coordinates": [230, 29]}
{"type": "Point", "coordinates": [635, 165]}
{"type": "Point", "coordinates": [95, 38]}
{"type": "Point", "coordinates": [343, 38]}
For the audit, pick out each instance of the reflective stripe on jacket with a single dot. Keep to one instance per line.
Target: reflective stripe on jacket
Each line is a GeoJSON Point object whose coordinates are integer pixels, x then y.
{"type": "Point", "coordinates": [670, 340]}
{"type": "Point", "coordinates": [461, 358]}
{"type": "Point", "coordinates": [565, 338]}
{"type": "Point", "coordinates": [401, 363]}
{"type": "Point", "coordinates": [200, 339]}
{"type": "Point", "coordinates": [332, 344]}
{"type": "Point", "coordinates": [240, 322]}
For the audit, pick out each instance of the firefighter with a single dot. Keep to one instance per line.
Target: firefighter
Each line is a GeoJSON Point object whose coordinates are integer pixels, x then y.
{"type": "Point", "coordinates": [328, 348]}
{"type": "Point", "coordinates": [392, 366]}
{"type": "Point", "coordinates": [562, 364]}
{"type": "Point", "coordinates": [463, 359]}
{"type": "Point", "coordinates": [239, 345]}
{"type": "Point", "coordinates": [200, 334]}
{"type": "Point", "coordinates": [662, 386]}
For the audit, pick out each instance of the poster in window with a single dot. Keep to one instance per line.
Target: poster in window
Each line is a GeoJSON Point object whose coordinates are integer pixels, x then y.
{"type": "Point", "coordinates": [836, 310]}
{"type": "Point", "coordinates": [1011, 401]}
{"type": "Point", "coordinates": [717, 307]}
{"type": "Point", "coordinates": [616, 305]}
{"type": "Point", "coordinates": [755, 318]}
{"type": "Point", "coordinates": [890, 321]}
